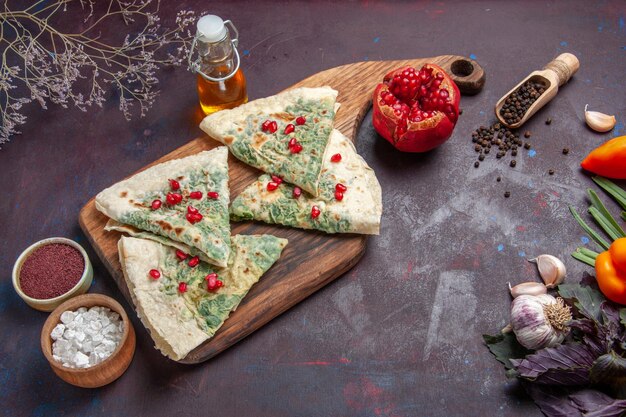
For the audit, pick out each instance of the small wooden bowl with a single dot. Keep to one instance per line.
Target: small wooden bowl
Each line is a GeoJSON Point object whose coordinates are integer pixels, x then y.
{"type": "Point", "coordinates": [106, 371]}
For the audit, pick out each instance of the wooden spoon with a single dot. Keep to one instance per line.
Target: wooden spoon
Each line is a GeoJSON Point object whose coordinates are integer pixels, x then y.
{"type": "Point", "coordinates": [556, 73]}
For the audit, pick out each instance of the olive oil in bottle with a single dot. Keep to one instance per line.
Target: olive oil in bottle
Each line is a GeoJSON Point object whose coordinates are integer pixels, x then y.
{"type": "Point", "coordinates": [220, 80]}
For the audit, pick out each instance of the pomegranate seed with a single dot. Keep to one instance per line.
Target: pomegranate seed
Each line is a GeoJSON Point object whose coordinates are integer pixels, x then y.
{"type": "Point", "coordinates": [341, 187]}
{"type": "Point", "coordinates": [300, 120]}
{"type": "Point", "coordinates": [439, 76]}
{"type": "Point", "coordinates": [292, 142]}
{"type": "Point", "coordinates": [443, 93]}
{"type": "Point", "coordinates": [193, 217]}
{"type": "Point", "coordinates": [212, 282]}
{"type": "Point", "coordinates": [389, 99]}
{"type": "Point", "coordinates": [277, 179]}
{"type": "Point", "coordinates": [338, 195]}
{"type": "Point", "coordinates": [155, 274]}
{"type": "Point", "coordinates": [296, 148]}
{"type": "Point", "coordinates": [211, 275]}
{"type": "Point", "coordinates": [181, 255]}
{"type": "Point", "coordinates": [156, 204]}
{"type": "Point", "coordinates": [173, 198]}
{"type": "Point", "coordinates": [182, 287]}
{"type": "Point", "coordinates": [297, 192]}
{"type": "Point", "coordinates": [272, 186]}
{"type": "Point", "coordinates": [315, 212]}
{"type": "Point", "coordinates": [213, 194]}
{"type": "Point", "coordinates": [193, 261]}
{"type": "Point", "coordinates": [335, 158]}
{"type": "Point", "coordinates": [174, 185]}
{"type": "Point", "coordinates": [219, 283]}
{"type": "Point", "coordinates": [196, 195]}
{"type": "Point", "coordinates": [273, 127]}
{"type": "Point", "coordinates": [289, 128]}
{"type": "Point", "coordinates": [192, 210]}
{"type": "Point", "coordinates": [266, 125]}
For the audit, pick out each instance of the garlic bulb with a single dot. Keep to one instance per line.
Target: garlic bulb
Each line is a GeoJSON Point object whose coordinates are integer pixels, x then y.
{"type": "Point", "coordinates": [539, 321]}
{"type": "Point", "coordinates": [599, 122]}
{"type": "Point", "coordinates": [527, 288]}
{"type": "Point", "coordinates": [551, 269]}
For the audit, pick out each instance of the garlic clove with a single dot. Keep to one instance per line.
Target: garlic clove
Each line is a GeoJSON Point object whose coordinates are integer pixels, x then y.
{"type": "Point", "coordinates": [527, 288]}
{"type": "Point", "coordinates": [599, 122]}
{"type": "Point", "coordinates": [551, 269]}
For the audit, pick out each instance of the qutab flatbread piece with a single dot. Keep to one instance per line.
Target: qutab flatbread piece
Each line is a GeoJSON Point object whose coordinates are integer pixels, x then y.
{"type": "Point", "coordinates": [359, 211]}
{"type": "Point", "coordinates": [113, 225]}
{"type": "Point", "coordinates": [131, 202]}
{"type": "Point", "coordinates": [180, 321]}
{"type": "Point", "coordinates": [241, 129]}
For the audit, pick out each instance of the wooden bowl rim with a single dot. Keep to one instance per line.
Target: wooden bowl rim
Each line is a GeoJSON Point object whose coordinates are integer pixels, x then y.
{"type": "Point", "coordinates": [17, 269]}
{"type": "Point", "coordinates": [56, 313]}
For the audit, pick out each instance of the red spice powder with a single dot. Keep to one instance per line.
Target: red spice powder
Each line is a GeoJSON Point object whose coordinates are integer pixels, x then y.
{"type": "Point", "coordinates": [51, 270]}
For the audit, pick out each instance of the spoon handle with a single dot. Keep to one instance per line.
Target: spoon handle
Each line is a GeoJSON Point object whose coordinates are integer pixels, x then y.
{"type": "Point", "coordinates": [563, 66]}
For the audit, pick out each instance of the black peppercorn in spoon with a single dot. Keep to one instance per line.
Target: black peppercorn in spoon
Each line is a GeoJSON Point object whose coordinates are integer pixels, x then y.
{"type": "Point", "coordinates": [535, 91]}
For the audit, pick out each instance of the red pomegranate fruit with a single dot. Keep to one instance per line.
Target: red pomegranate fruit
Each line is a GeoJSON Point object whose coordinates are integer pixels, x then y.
{"type": "Point", "coordinates": [416, 110]}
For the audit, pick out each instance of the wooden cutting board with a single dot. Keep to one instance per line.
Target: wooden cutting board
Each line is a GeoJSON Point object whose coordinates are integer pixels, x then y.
{"type": "Point", "coordinates": [311, 259]}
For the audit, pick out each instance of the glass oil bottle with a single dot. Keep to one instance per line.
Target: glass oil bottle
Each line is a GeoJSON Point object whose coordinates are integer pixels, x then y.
{"type": "Point", "coordinates": [220, 80]}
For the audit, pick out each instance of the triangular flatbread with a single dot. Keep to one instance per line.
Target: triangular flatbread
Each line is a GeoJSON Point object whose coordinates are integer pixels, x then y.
{"type": "Point", "coordinates": [359, 211]}
{"type": "Point", "coordinates": [130, 202]}
{"type": "Point", "coordinates": [180, 321]}
{"type": "Point", "coordinates": [241, 129]}
{"type": "Point", "coordinates": [113, 225]}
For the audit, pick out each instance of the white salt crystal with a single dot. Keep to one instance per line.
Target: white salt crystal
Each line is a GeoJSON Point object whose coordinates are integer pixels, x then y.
{"type": "Point", "coordinates": [81, 360]}
{"type": "Point", "coordinates": [57, 331]}
{"type": "Point", "coordinates": [67, 316]}
{"type": "Point", "coordinates": [86, 337]}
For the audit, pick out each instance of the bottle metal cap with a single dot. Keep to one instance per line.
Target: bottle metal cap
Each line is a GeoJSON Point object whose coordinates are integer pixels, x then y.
{"type": "Point", "coordinates": [211, 28]}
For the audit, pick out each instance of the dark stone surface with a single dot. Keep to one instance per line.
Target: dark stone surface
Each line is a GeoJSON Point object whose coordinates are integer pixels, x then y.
{"type": "Point", "coordinates": [400, 334]}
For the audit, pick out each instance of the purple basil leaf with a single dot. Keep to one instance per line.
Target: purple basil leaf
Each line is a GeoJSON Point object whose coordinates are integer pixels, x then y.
{"type": "Point", "coordinates": [590, 336]}
{"type": "Point", "coordinates": [609, 368]}
{"type": "Point", "coordinates": [588, 299]}
{"type": "Point", "coordinates": [553, 401]}
{"type": "Point", "coordinates": [562, 402]}
{"type": "Point", "coordinates": [505, 347]}
{"type": "Point", "coordinates": [589, 280]}
{"type": "Point", "coordinates": [566, 365]}
{"type": "Point", "coordinates": [614, 332]}
{"type": "Point", "coordinates": [597, 404]}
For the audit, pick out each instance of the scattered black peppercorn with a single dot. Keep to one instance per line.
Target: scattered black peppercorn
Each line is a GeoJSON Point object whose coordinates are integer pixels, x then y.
{"type": "Point", "coordinates": [551, 172]}
{"type": "Point", "coordinates": [513, 163]}
{"type": "Point", "coordinates": [548, 121]}
{"type": "Point", "coordinates": [507, 194]}
{"type": "Point", "coordinates": [476, 164]}
{"type": "Point", "coordinates": [499, 179]}
{"type": "Point", "coordinates": [481, 157]}
{"type": "Point", "coordinates": [526, 145]}
{"type": "Point", "coordinates": [565, 151]}
{"type": "Point", "coordinates": [527, 134]}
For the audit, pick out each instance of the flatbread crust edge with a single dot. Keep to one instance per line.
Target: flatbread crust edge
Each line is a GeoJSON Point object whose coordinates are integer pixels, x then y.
{"type": "Point", "coordinates": [114, 225]}
{"type": "Point", "coordinates": [217, 123]}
